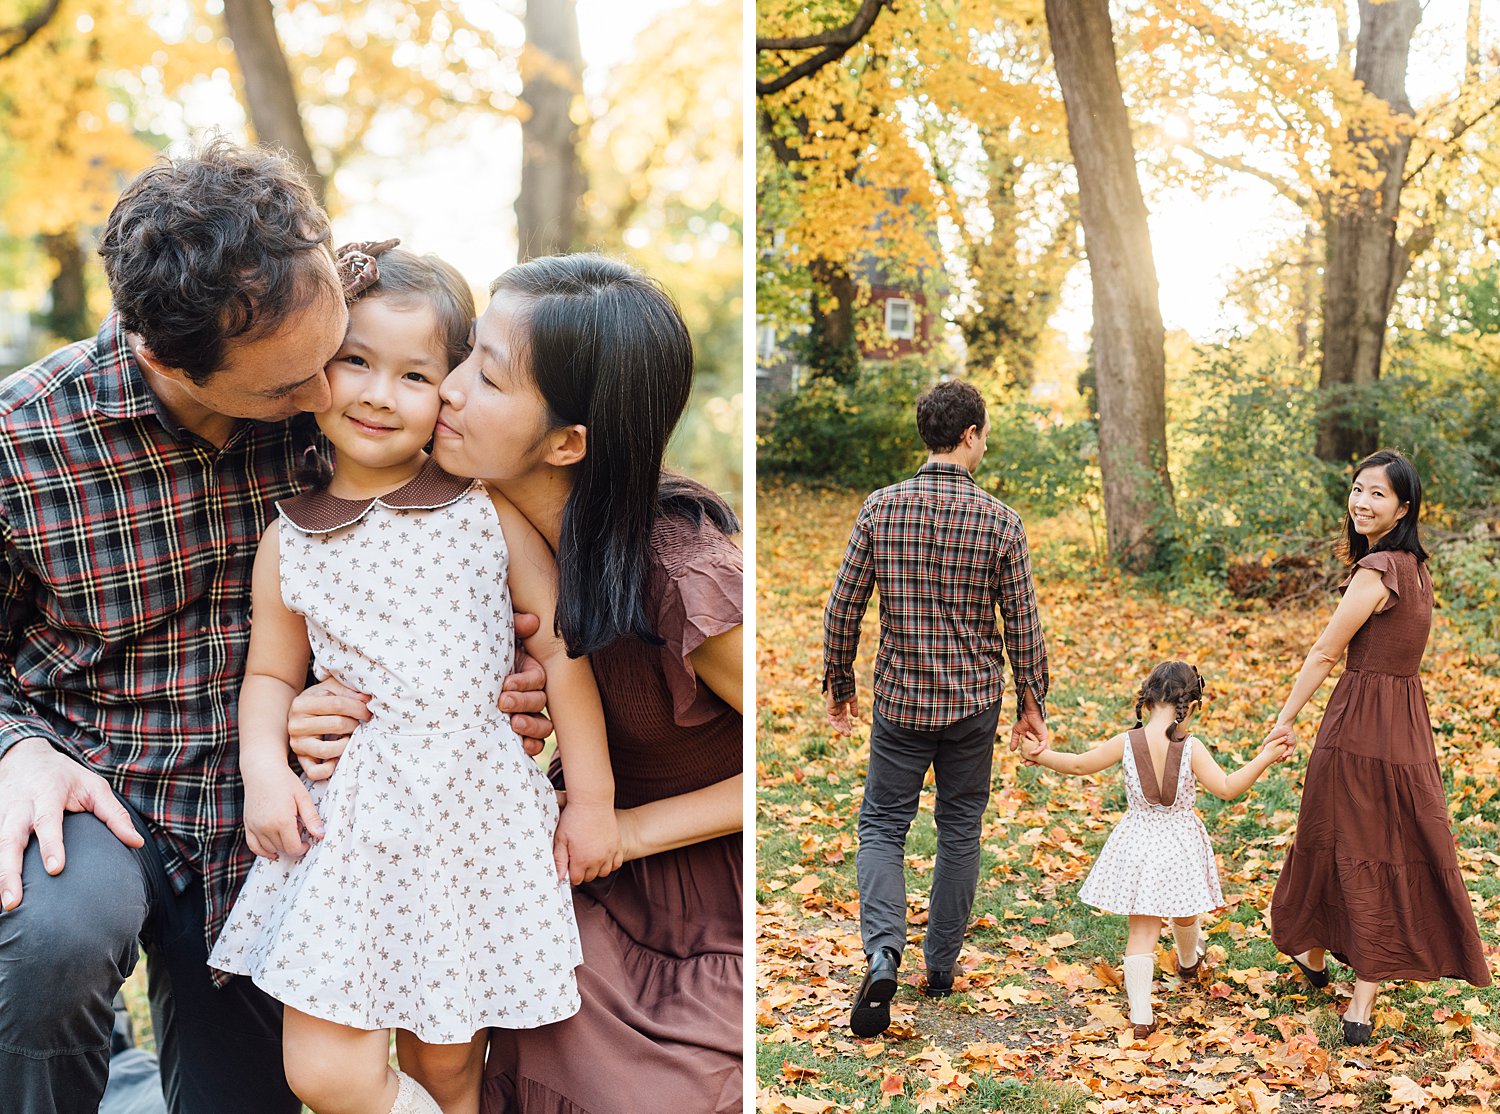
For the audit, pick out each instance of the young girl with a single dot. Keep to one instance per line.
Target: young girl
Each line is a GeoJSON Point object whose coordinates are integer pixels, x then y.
{"type": "Point", "coordinates": [425, 898]}
{"type": "Point", "coordinates": [1158, 863]}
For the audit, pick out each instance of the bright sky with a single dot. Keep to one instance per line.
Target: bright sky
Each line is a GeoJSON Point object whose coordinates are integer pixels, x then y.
{"type": "Point", "coordinates": [458, 201]}
{"type": "Point", "coordinates": [1201, 243]}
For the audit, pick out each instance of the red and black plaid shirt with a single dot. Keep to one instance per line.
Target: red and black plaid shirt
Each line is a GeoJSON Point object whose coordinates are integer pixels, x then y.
{"type": "Point", "coordinates": [126, 546]}
{"type": "Point", "coordinates": [944, 553]}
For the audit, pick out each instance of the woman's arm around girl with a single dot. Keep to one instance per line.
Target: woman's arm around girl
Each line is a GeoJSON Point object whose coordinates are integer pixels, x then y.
{"type": "Point", "coordinates": [587, 845]}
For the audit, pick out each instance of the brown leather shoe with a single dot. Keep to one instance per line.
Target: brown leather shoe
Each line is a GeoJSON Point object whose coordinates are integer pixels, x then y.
{"type": "Point", "coordinates": [1144, 1031]}
{"type": "Point", "coordinates": [1189, 974]}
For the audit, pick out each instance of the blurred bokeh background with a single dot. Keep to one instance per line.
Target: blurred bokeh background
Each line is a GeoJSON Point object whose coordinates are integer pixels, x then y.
{"type": "Point", "coordinates": [485, 132]}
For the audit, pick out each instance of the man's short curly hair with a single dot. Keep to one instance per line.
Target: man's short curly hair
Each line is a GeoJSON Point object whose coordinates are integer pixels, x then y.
{"type": "Point", "coordinates": [217, 247]}
{"type": "Point", "coordinates": [944, 412]}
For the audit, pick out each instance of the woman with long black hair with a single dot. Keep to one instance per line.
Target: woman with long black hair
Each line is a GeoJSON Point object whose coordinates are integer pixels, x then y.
{"type": "Point", "coordinates": [581, 368]}
{"type": "Point", "coordinates": [1372, 876]}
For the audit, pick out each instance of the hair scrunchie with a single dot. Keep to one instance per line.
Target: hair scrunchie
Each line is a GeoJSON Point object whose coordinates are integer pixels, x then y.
{"type": "Point", "coordinates": [357, 266]}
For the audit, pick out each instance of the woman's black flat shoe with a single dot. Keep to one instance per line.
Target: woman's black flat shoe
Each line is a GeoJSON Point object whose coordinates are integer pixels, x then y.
{"type": "Point", "coordinates": [1357, 1032]}
{"type": "Point", "coordinates": [1318, 978]}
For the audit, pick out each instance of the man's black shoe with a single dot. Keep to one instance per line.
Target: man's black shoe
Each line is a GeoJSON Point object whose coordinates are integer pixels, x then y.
{"type": "Point", "coordinates": [939, 984]}
{"type": "Point", "coordinates": [871, 1014]}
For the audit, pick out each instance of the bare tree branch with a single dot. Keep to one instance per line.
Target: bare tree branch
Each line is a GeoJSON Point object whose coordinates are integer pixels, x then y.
{"type": "Point", "coordinates": [1235, 163]}
{"type": "Point", "coordinates": [25, 32]}
{"type": "Point", "coordinates": [830, 45]}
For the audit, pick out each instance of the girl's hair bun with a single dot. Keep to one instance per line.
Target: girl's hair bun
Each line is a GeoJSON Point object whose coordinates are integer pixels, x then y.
{"type": "Point", "coordinates": [358, 267]}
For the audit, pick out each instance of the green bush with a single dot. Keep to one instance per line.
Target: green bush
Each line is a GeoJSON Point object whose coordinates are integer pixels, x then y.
{"type": "Point", "coordinates": [1040, 466]}
{"type": "Point", "coordinates": [1466, 576]}
{"type": "Point", "coordinates": [1246, 479]}
{"type": "Point", "coordinates": [1249, 485]}
{"type": "Point", "coordinates": [861, 434]}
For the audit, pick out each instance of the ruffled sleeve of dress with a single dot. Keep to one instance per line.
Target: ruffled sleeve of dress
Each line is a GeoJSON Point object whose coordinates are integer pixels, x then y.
{"type": "Point", "coordinates": [1385, 563]}
{"type": "Point", "coordinates": [703, 596]}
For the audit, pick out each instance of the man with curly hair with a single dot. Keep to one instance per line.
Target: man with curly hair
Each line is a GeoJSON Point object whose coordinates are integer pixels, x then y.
{"type": "Point", "coordinates": [137, 471]}
{"type": "Point", "coordinates": [944, 554]}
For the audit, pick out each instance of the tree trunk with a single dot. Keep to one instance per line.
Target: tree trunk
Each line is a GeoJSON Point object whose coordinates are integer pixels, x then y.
{"type": "Point", "coordinates": [547, 209]}
{"type": "Point", "coordinates": [269, 93]}
{"type": "Point", "coordinates": [831, 348]}
{"type": "Point", "coordinates": [68, 317]}
{"type": "Point", "coordinates": [1364, 261]}
{"type": "Point", "coordinates": [1128, 339]}
{"type": "Point", "coordinates": [1013, 299]}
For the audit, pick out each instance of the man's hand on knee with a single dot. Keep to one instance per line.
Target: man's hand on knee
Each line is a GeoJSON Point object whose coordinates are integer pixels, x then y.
{"type": "Point", "coordinates": [37, 786]}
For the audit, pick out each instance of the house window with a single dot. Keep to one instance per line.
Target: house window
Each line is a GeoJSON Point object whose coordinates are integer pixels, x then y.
{"type": "Point", "coordinates": [765, 342]}
{"type": "Point", "coordinates": [900, 318]}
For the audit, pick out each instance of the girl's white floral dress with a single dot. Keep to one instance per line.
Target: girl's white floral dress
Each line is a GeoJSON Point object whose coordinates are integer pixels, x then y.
{"type": "Point", "coordinates": [1158, 861]}
{"type": "Point", "coordinates": [432, 902]}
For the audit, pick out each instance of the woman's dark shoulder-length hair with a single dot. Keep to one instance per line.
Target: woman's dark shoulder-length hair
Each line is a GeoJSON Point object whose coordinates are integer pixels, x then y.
{"type": "Point", "coordinates": [608, 350]}
{"type": "Point", "coordinates": [1406, 485]}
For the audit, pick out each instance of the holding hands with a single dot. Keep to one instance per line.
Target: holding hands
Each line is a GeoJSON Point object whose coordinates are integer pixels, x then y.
{"type": "Point", "coordinates": [1282, 737]}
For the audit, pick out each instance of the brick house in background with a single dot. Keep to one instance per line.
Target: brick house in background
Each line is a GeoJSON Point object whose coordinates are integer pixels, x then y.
{"type": "Point", "coordinates": [903, 326]}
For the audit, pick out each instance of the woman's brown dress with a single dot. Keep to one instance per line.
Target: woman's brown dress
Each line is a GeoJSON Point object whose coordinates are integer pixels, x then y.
{"type": "Point", "coordinates": [1372, 874]}
{"type": "Point", "coordinates": [662, 975]}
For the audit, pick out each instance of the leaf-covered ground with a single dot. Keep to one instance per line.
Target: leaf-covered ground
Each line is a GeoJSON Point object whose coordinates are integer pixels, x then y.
{"type": "Point", "coordinates": [1038, 1021]}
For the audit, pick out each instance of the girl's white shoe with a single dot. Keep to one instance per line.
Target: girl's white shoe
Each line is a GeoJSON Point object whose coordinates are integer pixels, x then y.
{"type": "Point", "coordinates": [412, 1097]}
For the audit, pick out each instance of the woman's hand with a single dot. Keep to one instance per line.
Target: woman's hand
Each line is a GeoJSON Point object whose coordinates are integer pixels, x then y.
{"type": "Point", "coordinates": [277, 809]}
{"type": "Point", "coordinates": [587, 843]}
{"type": "Point", "coordinates": [1281, 734]}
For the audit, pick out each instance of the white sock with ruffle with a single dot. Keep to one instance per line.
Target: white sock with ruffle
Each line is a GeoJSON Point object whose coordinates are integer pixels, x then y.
{"type": "Point", "coordinates": [412, 1097]}
{"type": "Point", "coordinates": [1139, 970]}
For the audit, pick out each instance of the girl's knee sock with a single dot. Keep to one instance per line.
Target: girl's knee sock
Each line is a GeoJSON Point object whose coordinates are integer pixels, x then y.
{"type": "Point", "coordinates": [1189, 939]}
{"type": "Point", "coordinates": [1139, 970]}
{"type": "Point", "coordinates": [412, 1097]}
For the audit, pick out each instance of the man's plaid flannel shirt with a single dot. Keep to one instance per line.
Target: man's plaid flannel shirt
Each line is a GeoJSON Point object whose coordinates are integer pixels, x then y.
{"type": "Point", "coordinates": [944, 553]}
{"type": "Point", "coordinates": [126, 548]}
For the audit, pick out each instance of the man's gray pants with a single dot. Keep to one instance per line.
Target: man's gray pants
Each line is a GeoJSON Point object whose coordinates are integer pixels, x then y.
{"type": "Point", "coordinates": [73, 940]}
{"type": "Point", "coordinates": [961, 756]}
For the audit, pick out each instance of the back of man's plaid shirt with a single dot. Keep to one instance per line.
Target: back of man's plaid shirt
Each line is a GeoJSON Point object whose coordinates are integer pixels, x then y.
{"type": "Point", "coordinates": [944, 554]}
{"type": "Point", "coordinates": [126, 549]}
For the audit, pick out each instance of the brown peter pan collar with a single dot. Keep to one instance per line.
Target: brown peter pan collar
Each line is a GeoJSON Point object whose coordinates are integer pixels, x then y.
{"type": "Point", "coordinates": [1146, 773]}
{"type": "Point", "coordinates": [318, 512]}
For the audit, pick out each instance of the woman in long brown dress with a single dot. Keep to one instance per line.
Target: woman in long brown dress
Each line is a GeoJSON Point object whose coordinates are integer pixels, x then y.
{"type": "Point", "coordinates": [581, 368]}
{"type": "Point", "coordinates": [1372, 875]}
